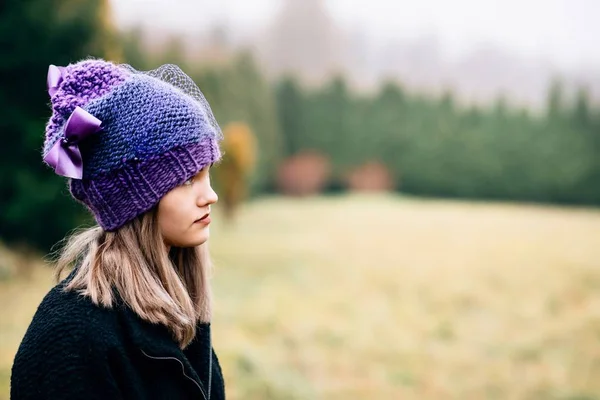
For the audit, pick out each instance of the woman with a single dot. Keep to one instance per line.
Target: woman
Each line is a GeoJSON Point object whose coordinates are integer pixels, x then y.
{"type": "Point", "coordinates": [132, 320]}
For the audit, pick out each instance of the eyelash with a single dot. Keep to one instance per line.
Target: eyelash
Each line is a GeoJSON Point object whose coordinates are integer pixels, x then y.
{"type": "Point", "coordinates": [190, 181]}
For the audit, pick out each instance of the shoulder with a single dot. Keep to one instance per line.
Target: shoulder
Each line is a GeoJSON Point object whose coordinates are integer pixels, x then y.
{"type": "Point", "coordinates": [67, 319]}
{"type": "Point", "coordinates": [66, 350]}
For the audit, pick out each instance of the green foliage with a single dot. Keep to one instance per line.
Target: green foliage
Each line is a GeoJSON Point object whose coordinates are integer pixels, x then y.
{"type": "Point", "coordinates": [36, 207]}
{"type": "Point", "coordinates": [435, 148]}
{"type": "Point", "coordinates": [290, 111]}
{"type": "Point", "coordinates": [555, 101]}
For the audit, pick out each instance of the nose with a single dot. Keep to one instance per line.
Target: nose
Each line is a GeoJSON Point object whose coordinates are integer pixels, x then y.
{"type": "Point", "coordinates": [207, 197]}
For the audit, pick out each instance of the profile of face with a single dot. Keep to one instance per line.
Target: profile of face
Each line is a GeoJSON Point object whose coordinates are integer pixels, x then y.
{"type": "Point", "coordinates": [184, 212]}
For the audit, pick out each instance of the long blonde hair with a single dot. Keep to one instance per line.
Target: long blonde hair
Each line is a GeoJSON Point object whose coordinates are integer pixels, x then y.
{"type": "Point", "coordinates": [161, 286]}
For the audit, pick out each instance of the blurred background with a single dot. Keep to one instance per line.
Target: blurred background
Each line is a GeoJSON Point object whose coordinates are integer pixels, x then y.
{"type": "Point", "coordinates": [408, 200]}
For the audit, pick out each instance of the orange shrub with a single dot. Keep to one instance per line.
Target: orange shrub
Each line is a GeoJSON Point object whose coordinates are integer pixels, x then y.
{"type": "Point", "coordinates": [233, 173]}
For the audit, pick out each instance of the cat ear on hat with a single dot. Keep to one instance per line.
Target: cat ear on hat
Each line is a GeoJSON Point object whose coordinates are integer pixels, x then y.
{"type": "Point", "coordinates": [54, 79]}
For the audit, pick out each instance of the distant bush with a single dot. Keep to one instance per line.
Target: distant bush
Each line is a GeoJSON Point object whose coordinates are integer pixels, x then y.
{"type": "Point", "coordinates": [303, 174]}
{"type": "Point", "coordinates": [370, 177]}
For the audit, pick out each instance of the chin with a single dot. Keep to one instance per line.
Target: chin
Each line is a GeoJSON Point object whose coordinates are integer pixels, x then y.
{"type": "Point", "coordinates": [190, 239]}
{"type": "Point", "coordinates": [198, 240]}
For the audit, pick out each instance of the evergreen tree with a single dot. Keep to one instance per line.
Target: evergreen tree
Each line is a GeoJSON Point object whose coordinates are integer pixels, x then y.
{"type": "Point", "coordinates": [34, 201]}
{"type": "Point", "coordinates": [291, 113]}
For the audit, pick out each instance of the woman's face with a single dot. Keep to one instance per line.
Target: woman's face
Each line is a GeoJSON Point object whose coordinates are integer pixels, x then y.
{"type": "Point", "coordinates": [183, 213]}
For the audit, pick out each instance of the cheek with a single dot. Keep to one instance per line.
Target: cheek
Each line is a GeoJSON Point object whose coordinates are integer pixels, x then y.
{"type": "Point", "coordinates": [171, 215]}
{"type": "Point", "coordinates": [168, 225]}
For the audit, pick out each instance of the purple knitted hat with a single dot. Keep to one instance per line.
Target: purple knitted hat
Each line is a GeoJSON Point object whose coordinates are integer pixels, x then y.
{"type": "Point", "coordinates": [126, 138]}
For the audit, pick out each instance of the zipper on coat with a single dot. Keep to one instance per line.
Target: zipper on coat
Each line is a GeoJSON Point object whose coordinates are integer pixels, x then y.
{"type": "Point", "coordinates": [182, 370]}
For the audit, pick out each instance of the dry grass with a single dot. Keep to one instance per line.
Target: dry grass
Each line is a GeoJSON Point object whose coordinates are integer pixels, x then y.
{"type": "Point", "coordinates": [20, 295]}
{"type": "Point", "coordinates": [363, 297]}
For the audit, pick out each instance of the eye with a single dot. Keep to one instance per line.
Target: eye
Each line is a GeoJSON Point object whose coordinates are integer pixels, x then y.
{"type": "Point", "coordinates": [188, 182]}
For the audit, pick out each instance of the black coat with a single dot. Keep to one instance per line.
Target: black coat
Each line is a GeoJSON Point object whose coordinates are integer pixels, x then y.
{"type": "Point", "coordinates": [74, 349]}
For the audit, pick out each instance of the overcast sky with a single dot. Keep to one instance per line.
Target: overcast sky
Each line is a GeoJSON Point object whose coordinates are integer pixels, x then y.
{"type": "Point", "coordinates": [564, 31]}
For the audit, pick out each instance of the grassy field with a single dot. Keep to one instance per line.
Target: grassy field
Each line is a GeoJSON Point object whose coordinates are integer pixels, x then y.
{"type": "Point", "coordinates": [377, 297]}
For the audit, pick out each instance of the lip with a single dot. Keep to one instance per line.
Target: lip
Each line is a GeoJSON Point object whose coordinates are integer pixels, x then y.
{"type": "Point", "coordinates": [204, 220]}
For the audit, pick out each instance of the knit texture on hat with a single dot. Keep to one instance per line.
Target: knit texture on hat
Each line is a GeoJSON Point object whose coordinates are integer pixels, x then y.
{"type": "Point", "coordinates": [154, 137]}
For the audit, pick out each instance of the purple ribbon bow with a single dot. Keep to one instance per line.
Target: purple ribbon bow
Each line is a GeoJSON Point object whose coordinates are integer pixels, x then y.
{"type": "Point", "coordinates": [65, 156]}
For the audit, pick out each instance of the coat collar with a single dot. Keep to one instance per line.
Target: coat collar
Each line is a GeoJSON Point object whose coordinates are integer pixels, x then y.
{"type": "Point", "coordinates": [155, 339]}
